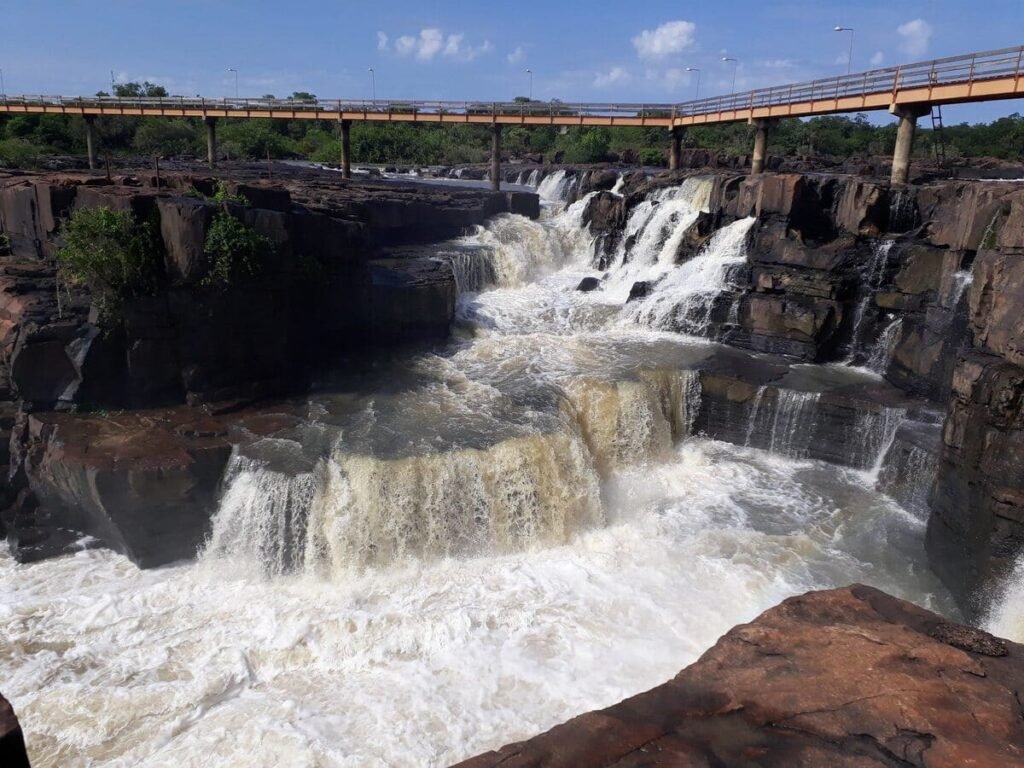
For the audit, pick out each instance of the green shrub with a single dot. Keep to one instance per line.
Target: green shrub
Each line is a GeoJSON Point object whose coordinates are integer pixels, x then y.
{"type": "Point", "coordinates": [652, 157]}
{"type": "Point", "coordinates": [236, 252]}
{"type": "Point", "coordinates": [18, 153]}
{"type": "Point", "coordinates": [111, 253]}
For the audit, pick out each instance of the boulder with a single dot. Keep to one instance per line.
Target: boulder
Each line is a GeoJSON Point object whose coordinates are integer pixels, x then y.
{"type": "Point", "coordinates": [12, 741]}
{"type": "Point", "coordinates": [588, 284]}
{"type": "Point", "coordinates": [845, 678]}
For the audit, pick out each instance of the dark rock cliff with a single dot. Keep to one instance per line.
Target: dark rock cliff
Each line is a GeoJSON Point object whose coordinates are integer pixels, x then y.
{"type": "Point", "coordinates": [340, 283]}
{"type": "Point", "coordinates": [923, 283]}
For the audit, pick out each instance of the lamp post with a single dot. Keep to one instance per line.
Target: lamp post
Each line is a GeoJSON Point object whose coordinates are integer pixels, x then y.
{"type": "Point", "coordinates": [735, 65]}
{"type": "Point", "coordinates": [530, 73]}
{"type": "Point", "coordinates": [373, 83]}
{"type": "Point", "coordinates": [695, 69]}
{"type": "Point", "coordinates": [3, 91]}
{"type": "Point", "coordinates": [849, 56]}
{"type": "Point", "coordinates": [236, 80]}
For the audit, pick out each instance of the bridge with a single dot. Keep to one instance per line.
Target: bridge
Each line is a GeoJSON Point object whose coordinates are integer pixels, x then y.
{"type": "Point", "coordinates": [907, 91]}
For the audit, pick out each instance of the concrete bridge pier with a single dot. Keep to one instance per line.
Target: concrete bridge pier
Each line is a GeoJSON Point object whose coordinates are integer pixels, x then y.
{"type": "Point", "coordinates": [211, 141]}
{"type": "Point", "coordinates": [496, 158]}
{"type": "Point", "coordinates": [757, 160]}
{"type": "Point", "coordinates": [346, 149]}
{"type": "Point", "coordinates": [90, 148]}
{"type": "Point", "coordinates": [675, 147]}
{"type": "Point", "coordinates": [907, 114]}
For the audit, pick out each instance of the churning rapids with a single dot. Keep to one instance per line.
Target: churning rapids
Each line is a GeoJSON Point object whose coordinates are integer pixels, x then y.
{"type": "Point", "coordinates": [467, 546]}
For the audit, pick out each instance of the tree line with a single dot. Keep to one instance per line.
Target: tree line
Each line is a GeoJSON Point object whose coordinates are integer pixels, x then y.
{"type": "Point", "coordinates": [28, 140]}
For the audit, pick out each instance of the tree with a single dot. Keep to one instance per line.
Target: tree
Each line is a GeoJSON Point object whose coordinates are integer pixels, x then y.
{"type": "Point", "coordinates": [138, 90]}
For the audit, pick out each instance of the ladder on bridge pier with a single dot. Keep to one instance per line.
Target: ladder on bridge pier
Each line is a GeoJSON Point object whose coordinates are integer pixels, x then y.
{"type": "Point", "coordinates": [938, 138]}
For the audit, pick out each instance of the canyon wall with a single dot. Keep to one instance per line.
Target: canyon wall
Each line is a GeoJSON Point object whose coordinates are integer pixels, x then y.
{"type": "Point", "coordinates": [922, 283]}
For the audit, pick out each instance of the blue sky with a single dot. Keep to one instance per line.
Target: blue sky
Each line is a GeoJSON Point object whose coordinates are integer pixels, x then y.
{"type": "Point", "coordinates": [578, 51]}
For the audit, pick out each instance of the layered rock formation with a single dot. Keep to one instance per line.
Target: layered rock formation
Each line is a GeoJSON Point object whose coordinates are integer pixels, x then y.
{"type": "Point", "coordinates": [339, 283]}
{"type": "Point", "coordinates": [847, 677]}
{"type": "Point", "coordinates": [922, 283]}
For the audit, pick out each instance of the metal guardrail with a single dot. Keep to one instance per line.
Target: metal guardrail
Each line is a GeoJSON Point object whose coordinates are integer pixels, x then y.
{"type": "Point", "coordinates": [969, 68]}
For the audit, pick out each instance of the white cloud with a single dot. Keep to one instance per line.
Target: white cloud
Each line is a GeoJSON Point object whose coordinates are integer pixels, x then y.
{"type": "Point", "coordinates": [517, 55]}
{"type": "Point", "coordinates": [432, 41]}
{"type": "Point", "coordinates": [877, 59]}
{"type": "Point", "coordinates": [670, 38]}
{"type": "Point", "coordinates": [778, 63]}
{"type": "Point", "coordinates": [614, 76]}
{"type": "Point", "coordinates": [916, 35]}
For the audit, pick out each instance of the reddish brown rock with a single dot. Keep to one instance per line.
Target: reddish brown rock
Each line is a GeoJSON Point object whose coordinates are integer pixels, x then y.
{"type": "Point", "coordinates": [12, 742]}
{"type": "Point", "coordinates": [844, 678]}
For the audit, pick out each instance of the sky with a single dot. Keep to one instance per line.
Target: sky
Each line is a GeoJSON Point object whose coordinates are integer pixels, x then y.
{"type": "Point", "coordinates": [578, 51]}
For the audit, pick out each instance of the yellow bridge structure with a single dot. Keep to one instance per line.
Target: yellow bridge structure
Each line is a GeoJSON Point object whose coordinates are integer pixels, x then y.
{"type": "Point", "coordinates": [907, 91]}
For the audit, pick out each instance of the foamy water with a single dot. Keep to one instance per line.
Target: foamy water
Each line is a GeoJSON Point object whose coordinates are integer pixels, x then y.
{"type": "Point", "coordinates": [525, 532]}
{"type": "Point", "coordinates": [427, 664]}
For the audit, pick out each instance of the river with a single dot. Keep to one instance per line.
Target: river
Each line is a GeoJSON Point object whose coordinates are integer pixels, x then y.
{"type": "Point", "coordinates": [465, 546]}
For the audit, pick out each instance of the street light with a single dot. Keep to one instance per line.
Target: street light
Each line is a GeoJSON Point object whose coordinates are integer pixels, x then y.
{"type": "Point", "coordinates": [849, 56]}
{"type": "Point", "coordinates": [695, 69]}
{"type": "Point", "coordinates": [373, 83]}
{"type": "Point", "coordinates": [735, 65]}
{"type": "Point", "coordinates": [3, 91]}
{"type": "Point", "coordinates": [530, 73]}
{"type": "Point", "coordinates": [236, 80]}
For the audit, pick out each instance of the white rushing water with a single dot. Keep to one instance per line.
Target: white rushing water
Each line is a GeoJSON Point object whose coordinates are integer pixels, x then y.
{"type": "Point", "coordinates": [503, 534]}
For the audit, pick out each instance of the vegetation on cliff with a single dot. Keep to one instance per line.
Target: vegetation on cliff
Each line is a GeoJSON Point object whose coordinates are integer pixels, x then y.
{"type": "Point", "coordinates": [113, 254]}
{"type": "Point", "coordinates": [26, 139]}
{"type": "Point", "coordinates": [235, 251]}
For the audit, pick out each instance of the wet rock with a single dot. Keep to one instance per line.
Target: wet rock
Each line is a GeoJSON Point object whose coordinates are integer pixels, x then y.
{"type": "Point", "coordinates": [639, 290]}
{"type": "Point", "coordinates": [848, 677]}
{"type": "Point", "coordinates": [588, 284]}
{"type": "Point", "coordinates": [12, 741]}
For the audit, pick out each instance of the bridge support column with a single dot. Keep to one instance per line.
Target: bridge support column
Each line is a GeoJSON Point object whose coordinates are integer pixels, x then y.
{"type": "Point", "coordinates": [346, 149]}
{"type": "Point", "coordinates": [90, 148]}
{"type": "Point", "coordinates": [908, 114]}
{"type": "Point", "coordinates": [496, 158]}
{"type": "Point", "coordinates": [211, 141]}
{"type": "Point", "coordinates": [760, 155]}
{"type": "Point", "coordinates": [675, 147]}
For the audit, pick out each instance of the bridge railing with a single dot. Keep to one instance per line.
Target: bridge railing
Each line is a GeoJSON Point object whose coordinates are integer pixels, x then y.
{"type": "Point", "coordinates": [973, 67]}
{"type": "Point", "coordinates": [969, 68]}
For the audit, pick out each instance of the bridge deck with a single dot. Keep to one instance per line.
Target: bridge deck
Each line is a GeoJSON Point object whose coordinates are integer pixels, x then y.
{"type": "Point", "coordinates": [984, 76]}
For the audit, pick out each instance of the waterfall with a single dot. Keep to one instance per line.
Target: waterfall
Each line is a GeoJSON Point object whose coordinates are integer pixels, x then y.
{"type": "Point", "coordinates": [356, 511]}
{"type": "Point", "coordinates": [534, 178]}
{"type": "Point", "coordinates": [619, 184]}
{"type": "Point", "coordinates": [684, 299]}
{"type": "Point", "coordinates": [1006, 611]}
{"type": "Point", "coordinates": [872, 280]}
{"type": "Point", "coordinates": [755, 410]}
{"type": "Point", "coordinates": [512, 250]}
{"type": "Point", "coordinates": [556, 186]}
{"type": "Point", "coordinates": [263, 514]}
{"type": "Point", "coordinates": [793, 423]}
{"type": "Point", "coordinates": [906, 474]}
{"type": "Point", "coordinates": [636, 420]}
{"type": "Point", "coordinates": [873, 436]}
{"type": "Point", "coordinates": [881, 353]}
{"type": "Point", "coordinates": [903, 215]}
{"type": "Point", "coordinates": [962, 280]}
{"type": "Point", "coordinates": [473, 267]}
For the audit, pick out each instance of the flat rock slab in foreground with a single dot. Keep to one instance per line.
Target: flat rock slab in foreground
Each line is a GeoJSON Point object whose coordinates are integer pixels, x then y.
{"type": "Point", "coordinates": [847, 677]}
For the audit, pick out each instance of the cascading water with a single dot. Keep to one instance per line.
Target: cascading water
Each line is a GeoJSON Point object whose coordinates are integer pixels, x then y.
{"type": "Point", "coordinates": [556, 187]}
{"type": "Point", "coordinates": [872, 279]}
{"type": "Point", "coordinates": [1006, 612]}
{"type": "Point", "coordinates": [475, 528]}
{"type": "Point", "coordinates": [882, 351]}
{"type": "Point", "coordinates": [683, 301]}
